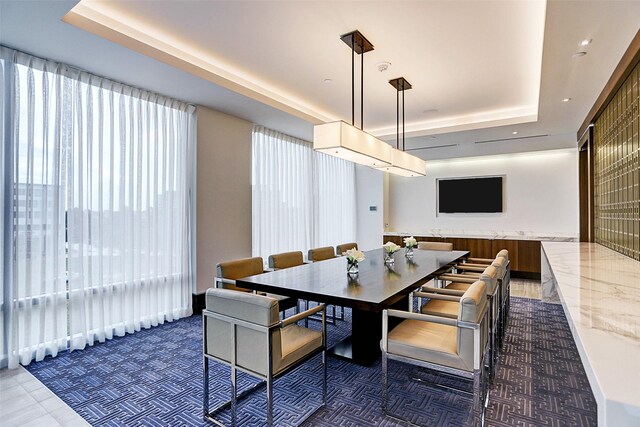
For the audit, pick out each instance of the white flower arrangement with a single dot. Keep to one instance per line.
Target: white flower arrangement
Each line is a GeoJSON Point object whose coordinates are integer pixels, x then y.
{"type": "Point", "coordinates": [391, 247]}
{"type": "Point", "coordinates": [354, 255]}
{"type": "Point", "coordinates": [410, 242]}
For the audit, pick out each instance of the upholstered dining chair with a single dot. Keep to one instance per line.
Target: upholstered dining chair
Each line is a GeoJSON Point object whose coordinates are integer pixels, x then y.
{"type": "Point", "coordinates": [285, 260]}
{"type": "Point", "coordinates": [341, 249]}
{"type": "Point", "coordinates": [228, 272]}
{"type": "Point", "coordinates": [448, 307]}
{"type": "Point", "coordinates": [321, 254]}
{"type": "Point", "coordinates": [501, 262]}
{"type": "Point", "coordinates": [455, 346]}
{"type": "Point", "coordinates": [244, 331]}
{"type": "Point", "coordinates": [435, 246]}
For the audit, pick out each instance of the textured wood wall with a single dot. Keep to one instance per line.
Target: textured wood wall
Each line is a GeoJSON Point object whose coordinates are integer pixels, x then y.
{"type": "Point", "coordinates": [617, 170]}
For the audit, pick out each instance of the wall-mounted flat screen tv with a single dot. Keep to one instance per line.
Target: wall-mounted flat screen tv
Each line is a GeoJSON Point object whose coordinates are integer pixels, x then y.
{"type": "Point", "coordinates": [470, 195]}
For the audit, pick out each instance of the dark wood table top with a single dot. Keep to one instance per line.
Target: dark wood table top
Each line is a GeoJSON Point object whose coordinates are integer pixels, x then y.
{"type": "Point", "coordinates": [376, 287]}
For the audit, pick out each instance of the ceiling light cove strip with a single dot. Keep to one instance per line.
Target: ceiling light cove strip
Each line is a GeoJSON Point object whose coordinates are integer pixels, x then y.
{"type": "Point", "coordinates": [96, 18]}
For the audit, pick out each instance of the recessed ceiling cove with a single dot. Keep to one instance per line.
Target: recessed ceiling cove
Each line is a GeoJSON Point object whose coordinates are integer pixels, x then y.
{"type": "Point", "coordinates": [473, 65]}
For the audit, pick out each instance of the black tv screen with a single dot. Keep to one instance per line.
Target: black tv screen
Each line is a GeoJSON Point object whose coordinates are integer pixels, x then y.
{"type": "Point", "coordinates": [470, 195]}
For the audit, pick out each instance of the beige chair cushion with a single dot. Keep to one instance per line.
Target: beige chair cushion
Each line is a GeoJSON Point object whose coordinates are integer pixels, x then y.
{"type": "Point", "coordinates": [426, 341]}
{"type": "Point", "coordinates": [341, 249]}
{"type": "Point", "coordinates": [445, 345]}
{"type": "Point", "coordinates": [286, 260]}
{"type": "Point", "coordinates": [436, 307]}
{"type": "Point", "coordinates": [320, 254]}
{"type": "Point", "coordinates": [435, 246]}
{"type": "Point", "coordinates": [457, 286]}
{"type": "Point", "coordinates": [296, 343]}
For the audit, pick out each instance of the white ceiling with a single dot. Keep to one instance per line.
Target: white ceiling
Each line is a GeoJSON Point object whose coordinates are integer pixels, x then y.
{"type": "Point", "coordinates": [481, 64]}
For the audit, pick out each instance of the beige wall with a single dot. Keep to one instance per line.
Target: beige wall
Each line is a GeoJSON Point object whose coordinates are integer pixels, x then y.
{"type": "Point", "coordinates": [223, 203]}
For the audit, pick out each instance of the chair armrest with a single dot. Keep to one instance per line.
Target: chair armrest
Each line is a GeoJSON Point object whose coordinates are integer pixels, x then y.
{"type": "Point", "coordinates": [300, 316]}
{"type": "Point", "coordinates": [474, 265]}
{"type": "Point", "coordinates": [419, 316]}
{"type": "Point", "coordinates": [432, 295]}
{"type": "Point", "coordinates": [223, 280]}
{"type": "Point", "coordinates": [456, 278]}
{"type": "Point", "coordinates": [443, 291]}
{"type": "Point", "coordinates": [480, 260]}
{"type": "Point", "coordinates": [470, 268]}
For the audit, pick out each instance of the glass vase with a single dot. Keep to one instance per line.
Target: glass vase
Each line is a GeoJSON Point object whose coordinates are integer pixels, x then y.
{"type": "Point", "coordinates": [409, 252]}
{"type": "Point", "coordinates": [352, 267]}
{"type": "Point", "coordinates": [388, 258]}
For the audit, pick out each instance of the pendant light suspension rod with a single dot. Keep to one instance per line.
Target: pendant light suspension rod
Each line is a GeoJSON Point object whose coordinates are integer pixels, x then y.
{"type": "Point", "coordinates": [397, 119]}
{"type": "Point", "coordinates": [401, 85]}
{"type": "Point", "coordinates": [359, 45]}
{"type": "Point", "coordinates": [362, 91]}
{"type": "Point", "coordinates": [403, 116]}
{"type": "Point", "coordinates": [353, 80]}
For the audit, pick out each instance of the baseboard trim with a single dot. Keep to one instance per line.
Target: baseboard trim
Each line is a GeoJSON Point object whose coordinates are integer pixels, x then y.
{"type": "Point", "coordinates": [526, 275]}
{"type": "Point", "coordinates": [198, 302]}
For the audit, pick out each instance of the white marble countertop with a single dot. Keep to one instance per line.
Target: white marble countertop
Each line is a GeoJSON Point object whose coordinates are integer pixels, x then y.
{"type": "Point", "coordinates": [489, 234]}
{"type": "Point", "coordinates": [600, 292]}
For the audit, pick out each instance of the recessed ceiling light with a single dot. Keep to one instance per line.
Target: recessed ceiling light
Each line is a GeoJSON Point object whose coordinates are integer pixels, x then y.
{"type": "Point", "coordinates": [579, 54]}
{"type": "Point", "coordinates": [514, 132]}
{"type": "Point", "coordinates": [585, 42]}
{"type": "Point", "coordinates": [566, 100]}
{"type": "Point", "coordinates": [383, 66]}
{"type": "Point", "coordinates": [327, 81]}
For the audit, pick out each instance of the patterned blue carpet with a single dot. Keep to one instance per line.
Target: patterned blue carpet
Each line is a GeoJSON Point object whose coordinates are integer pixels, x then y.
{"type": "Point", "coordinates": [154, 378]}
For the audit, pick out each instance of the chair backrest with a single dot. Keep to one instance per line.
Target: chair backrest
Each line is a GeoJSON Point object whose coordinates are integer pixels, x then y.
{"type": "Point", "coordinates": [341, 249]}
{"type": "Point", "coordinates": [320, 254]}
{"type": "Point", "coordinates": [435, 246]}
{"type": "Point", "coordinates": [500, 263]}
{"type": "Point", "coordinates": [286, 260]}
{"type": "Point", "coordinates": [238, 269]}
{"type": "Point", "coordinates": [504, 254]}
{"type": "Point", "coordinates": [472, 308]}
{"type": "Point", "coordinates": [490, 278]}
{"type": "Point", "coordinates": [226, 310]}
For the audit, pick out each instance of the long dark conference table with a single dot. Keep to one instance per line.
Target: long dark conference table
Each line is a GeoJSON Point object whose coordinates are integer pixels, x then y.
{"type": "Point", "coordinates": [375, 288]}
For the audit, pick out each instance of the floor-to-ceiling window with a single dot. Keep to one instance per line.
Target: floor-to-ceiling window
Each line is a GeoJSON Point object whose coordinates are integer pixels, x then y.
{"type": "Point", "coordinates": [300, 198]}
{"type": "Point", "coordinates": [96, 196]}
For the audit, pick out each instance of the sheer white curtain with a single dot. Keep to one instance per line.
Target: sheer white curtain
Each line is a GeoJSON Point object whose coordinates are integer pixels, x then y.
{"type": "Point", "coordinates": [97, 204]}
{"type": "Point", "coordinates": [282, 193]}
{"type": "Point", "coordinates": [300, 199]}
{"type": "Point", "coordinates": [334, 202]}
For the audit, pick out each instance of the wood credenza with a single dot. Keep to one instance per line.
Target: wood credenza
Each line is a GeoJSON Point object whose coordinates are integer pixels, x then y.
{"type": "Point", "coordinates": [524, 255]}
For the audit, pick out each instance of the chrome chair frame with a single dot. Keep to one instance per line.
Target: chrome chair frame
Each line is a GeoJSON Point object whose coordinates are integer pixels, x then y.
{"type": "Point", "coordinates": [268, 379]}
{"type": "Point", "coordinates": [480, 385]}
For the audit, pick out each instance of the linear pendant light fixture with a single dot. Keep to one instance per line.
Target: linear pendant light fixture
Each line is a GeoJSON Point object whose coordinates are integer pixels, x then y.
{"type": "Point", "coordinates": [345, 140]}
{"type": "Point", "coordinates": [403, 163]}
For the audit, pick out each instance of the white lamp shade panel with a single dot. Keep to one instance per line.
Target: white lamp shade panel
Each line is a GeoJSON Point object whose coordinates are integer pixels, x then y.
{"type": "Point", "coordinates": [405, 164]}
{"type": "Point", "coordinates": [347, 142]}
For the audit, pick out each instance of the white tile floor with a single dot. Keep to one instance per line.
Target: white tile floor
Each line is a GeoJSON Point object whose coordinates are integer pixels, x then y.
{"type": "Point", "coordinates": [26, 402]}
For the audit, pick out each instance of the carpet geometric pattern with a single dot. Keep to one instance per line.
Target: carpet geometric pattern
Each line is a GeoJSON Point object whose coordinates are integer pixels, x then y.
{"type": "Point", "coordinates": [154, 378]}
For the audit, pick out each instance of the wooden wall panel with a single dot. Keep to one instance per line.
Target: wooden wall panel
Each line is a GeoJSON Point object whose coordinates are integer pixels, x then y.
{"type": "Point", "coordinates": [512, 246]}
{"type": "Point", "coordinates": [528, 256]}
{"type": "Point", "coordinates": [480, 248]}
{"type": "Point", "coordinates": [524, 255]}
